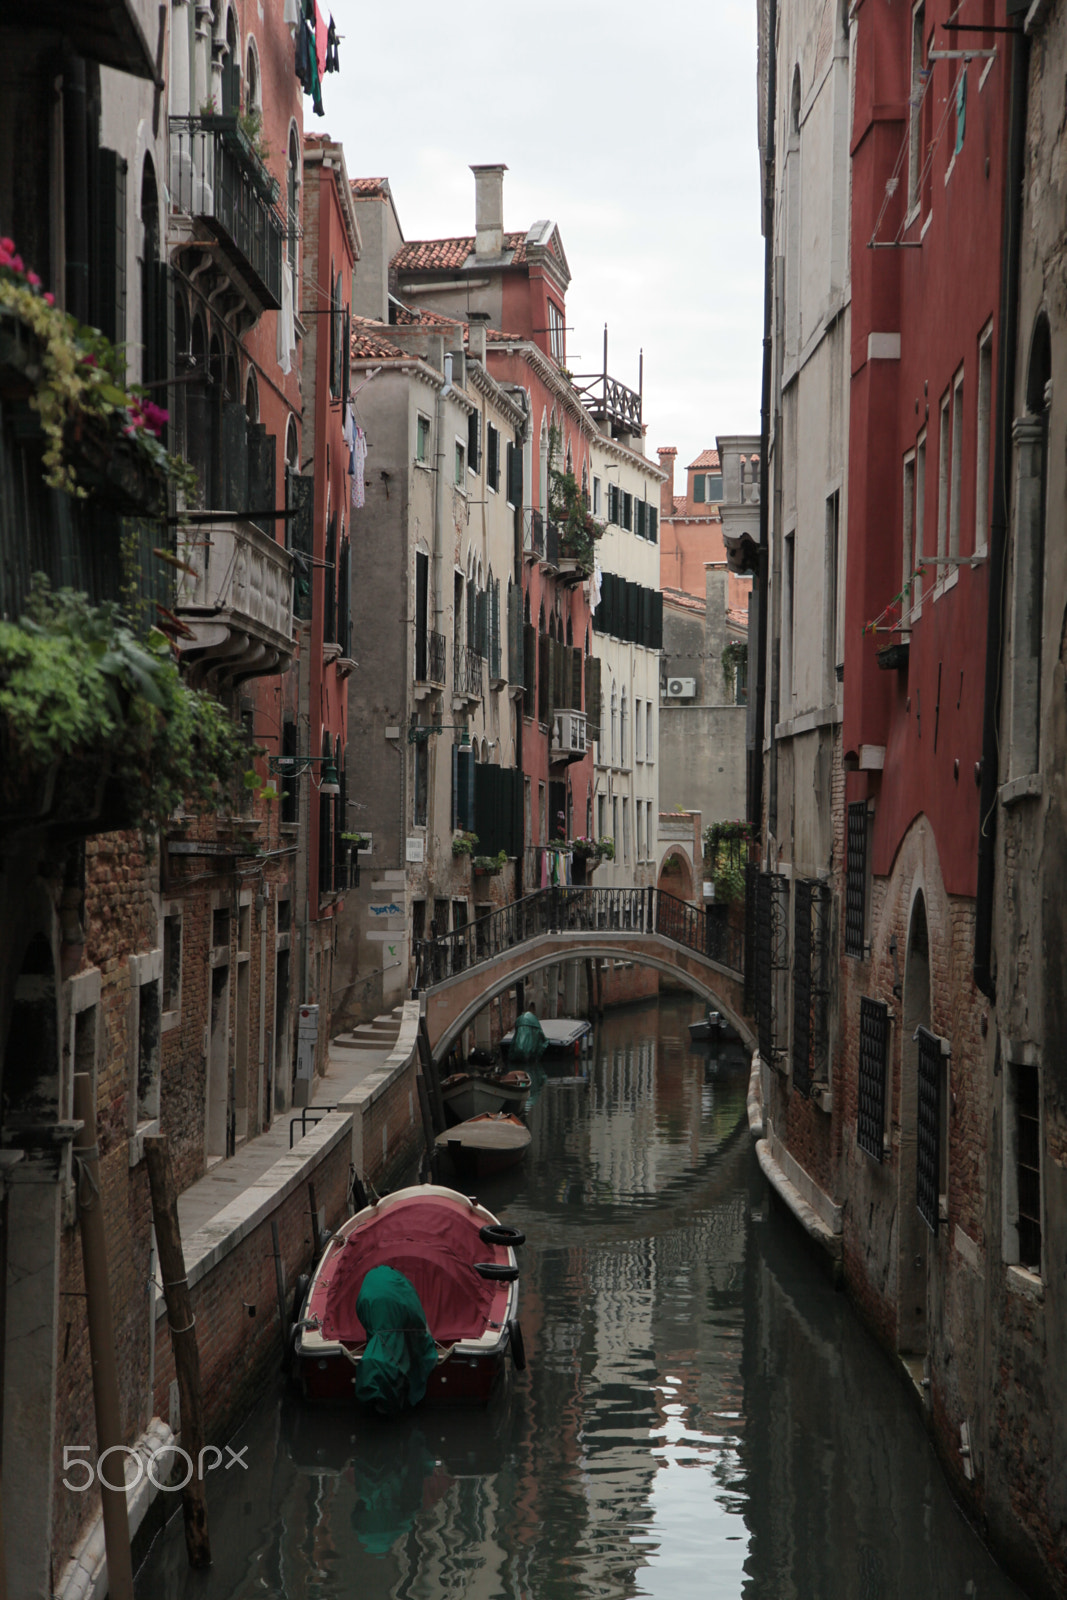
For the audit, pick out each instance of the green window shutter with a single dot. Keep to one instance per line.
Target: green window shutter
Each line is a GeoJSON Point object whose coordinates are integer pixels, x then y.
{"type": "Point", "coordinates": [640, 520]}
{"type": "Point", "coordinates": [698, 489]}
{"type": "Point", "coordinates": [329, 585]}
{"type": "Point", "coordinates": [529, 667]}
{"type": "Point", "coordinates": [234, 457]}
{"type": "Point", "coordinates": [592, 697]}
{"type": "Point", "coordinates": [455, 784]}
{"type": "Point", "coordinates": [107, 287]}
{"type": "Point", "coordinates": [494, 629]}
{"type": "Point", "coordinates": [657, 620]}
{"type": "Point", "coordinates": [492, 453]}
{"type": "Point", "coordinates": [344, 596]}
{"type": "Point", "coordinates": [645, 631]}
{"type": "Point", "coordinates": [544, 678]}
{"type": "Point", "coordinates": [627, 510]}
{"type": "Point", "coordinates": [301, 498]}
{"type": "Point", "coordinates": [481, 641]}
{"type": "Point", "coordinates": [474, 441]}
{"type": "Point", "coordinates": [653, 523]}
{"type": "Point", "coordinates": [515, 635]}
{"type": "Point", "coordinates": [422, 580]}
{"type": "Point", "coordinates": [577, 663]}
{"type": "Point", "coordinates": [468, 767]}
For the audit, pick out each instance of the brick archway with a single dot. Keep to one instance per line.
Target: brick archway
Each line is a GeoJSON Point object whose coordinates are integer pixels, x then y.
{"type": "Point", "coordinates": [451, 1006]}
{"type": "Point", "coordinates": [676, 875]}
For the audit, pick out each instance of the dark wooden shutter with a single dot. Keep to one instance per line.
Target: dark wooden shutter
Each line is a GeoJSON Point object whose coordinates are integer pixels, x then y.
{"type": "Point", "coordinates": [301, 492]}
{"type": "Point", "coordinates": [492, 465]}
{"type": "Point", "coordinates": [481, 639]}
{"type": "Point", "coordinates": [515, 635]}
{"type": "Point", "coordinates": [871, 1079]}
{"type": "Point", "coordinates": [234, 457]}
{"type": "Point", "coordinates": [474, 441]}
{"type": "Point", "coordinates": [653, 524]}
{"type": "Point", "coordinates": [287, 780]}
{"type": "Point", "coordinates": [337, 339]}
{"type": "Point", "coordinates": [259, 491]}
{"type": "Point", "coordinates": [515, 474]}
{"type": "Point", "coordinates": [627, 510]}
{"type": "Point", "coordinates": [107, 286]}
{"type": "Point", "coordinates": [529, 667]}
{"type": "Point", "coordinates": [577, 662]}
{"type": "Point", "coordinates": [455, 784]}
{"type": "Point", "coordinates": [494, 629]}
{"type": "Point", "coordinates": [344, 599]}
{"type": "Point", "coordinates": [592, 698]}
{"type": "Point", "coordinates": [657, 620]}
{"type": "Point", "coordinates": [544, 678]}
{"type": "Point", "coordinates": [422, 581]}
{"type": "Point", "coordinates": [644, 632]}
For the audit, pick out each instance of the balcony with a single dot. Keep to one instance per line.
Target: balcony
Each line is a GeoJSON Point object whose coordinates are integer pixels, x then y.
{"type": "Point", "coordinates": [222, 186]}
{"type": "Point", "coordinates": [533, 534]}
{"type": "Point", "coordinates": [467, 681]}
{"type": "Point", "coordinates": [568, 737]}
{"type": "Point", "coordinates": [614, 408]}
{"type": "Point", "coordinates": [431, 654]}
{"type": "Point", "coordinates": [237, 602]}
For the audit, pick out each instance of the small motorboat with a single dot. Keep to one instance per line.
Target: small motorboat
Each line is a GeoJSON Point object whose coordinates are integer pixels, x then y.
{"type": "Point", "coordinates": [448, 1269]}
{"type": "Point", "coordinates": [710, 1026]}
{"type": "Point", "coordinates": [468, 1094]}
{"type": "Point", "coordinates": [563, 1036]}
{"type": "Point", "coordinates": [485, 1145]}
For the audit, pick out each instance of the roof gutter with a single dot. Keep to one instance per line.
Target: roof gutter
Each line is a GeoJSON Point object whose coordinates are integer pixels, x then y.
{"type": "Point", "coordinates": [999, 522]}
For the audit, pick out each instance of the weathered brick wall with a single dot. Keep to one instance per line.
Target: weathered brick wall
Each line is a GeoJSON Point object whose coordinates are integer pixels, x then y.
{"type": "Point", "coordinates": [240, 1348]}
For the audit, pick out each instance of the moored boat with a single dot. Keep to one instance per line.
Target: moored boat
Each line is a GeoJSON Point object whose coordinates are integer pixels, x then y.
{"type": "Point", "coordinates": [468, 1094]}
{"type": "Point", "coordinates": [485, 1145]}
{"type": "Point", "coordinates": [456, 1257]}
{"type": "Point", "coordinates": [710, 1026]}
{"type": "Point", "coordinates": [562, 1035]}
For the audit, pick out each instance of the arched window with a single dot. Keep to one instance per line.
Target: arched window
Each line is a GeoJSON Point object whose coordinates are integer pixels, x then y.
{"type": "Point", "coordinates": [794, 104]}
{"type": "Point", "coordinates": [252, 396]}
{"type": "Point", "coordinates": [543, 468]}
{"type": "Point", "coordinates": [1028, 565]}
{"type": "Point", "coordinates": [622, 730]}
{"type": "Point", "coordinates": [570, 631]}
{"type": "Point", "coordinates": [253, 93]}
{"type": "Point", "coordinates": [292, 195]}
{"type": "Point", "coordinates": [614, 722]}
{"type": "Point", "coordinates": [292, 446]}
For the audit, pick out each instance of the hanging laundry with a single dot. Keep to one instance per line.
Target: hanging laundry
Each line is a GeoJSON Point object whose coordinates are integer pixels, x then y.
{"type": "Point", "coordinates": [320, 41]}
{"type": "Point", "coordinates": [291, 13]}
{"type": "Point", "coordinates": [544, 869]}
{"type": "Point", "coordinates": [359, 467]}
{"type": "Point", "coordinates": [595, 585]}
{"type": "Point", "coordinates": [286, 322]}
{"type": "Point", "coordinates": [302, 64]}
{"type": "Point", "coordinates": [333, 63]}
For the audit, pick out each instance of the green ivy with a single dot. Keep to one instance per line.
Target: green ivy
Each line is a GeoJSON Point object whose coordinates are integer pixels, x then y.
{"type": "Point", "coordinates": [76, 682]}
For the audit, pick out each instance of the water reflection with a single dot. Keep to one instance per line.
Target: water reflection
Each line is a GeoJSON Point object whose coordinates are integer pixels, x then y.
{"type": "Point", "coordinates": [702, 1415]}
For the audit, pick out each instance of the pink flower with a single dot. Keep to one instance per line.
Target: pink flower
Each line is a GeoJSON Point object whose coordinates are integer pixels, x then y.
{"type": "Point", "coordinates": [49, 299]}
{"type": "Point", "coordinates": [33, 279]}
{"type": "Point", "coordinates": [155, 418]}
{"type": "Point", "coordinates": [5, 256]}
{"type": "Point", "coordinates": [16, 262]}
{"type": "Point", "coordinates": [8, 245]}
{"type": "Point", "coordinates": [89, 360]}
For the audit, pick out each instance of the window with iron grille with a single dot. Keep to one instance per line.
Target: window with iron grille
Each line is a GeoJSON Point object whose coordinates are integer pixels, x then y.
{"type": "Point", "coordinates": [811, 988]}
{"type": "Point", "coordinates": [874, 1059]}
{"type": "Point", "coordinates": [772, 959]}
{"type": "Point", "coordinates": [928, 1129]}
{"type": "Point", "coordinates": [1026, 1083]}
{"type": "Point", "coordinates": [856, 879]}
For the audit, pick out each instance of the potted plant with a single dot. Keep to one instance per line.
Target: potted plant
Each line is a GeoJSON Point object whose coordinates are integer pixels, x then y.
{"type": "Point", "coordinates": [489, 866]}
{"type": "Point", "coordinates": [463, 844]}
{"type": "Point", "coordinates": [358, 841]}
{"type": "Point", "coordinates": [583, 848]}
{"type": "Point", "coordinates": [605, 849]}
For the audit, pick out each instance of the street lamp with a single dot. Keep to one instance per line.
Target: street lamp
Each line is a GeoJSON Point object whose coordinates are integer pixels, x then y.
{"type": "Point", "coordinates": [296, 766]}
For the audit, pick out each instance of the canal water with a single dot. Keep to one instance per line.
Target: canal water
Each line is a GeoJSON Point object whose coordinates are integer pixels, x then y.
{"type": "Point", "coordinates": [702, 1415]}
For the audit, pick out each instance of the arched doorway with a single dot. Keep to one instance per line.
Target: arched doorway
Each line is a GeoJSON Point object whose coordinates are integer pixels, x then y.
{"type": "Point", "coordinates": [914, 1235]}
{"type": "Point", "coordinates": [676, 875]}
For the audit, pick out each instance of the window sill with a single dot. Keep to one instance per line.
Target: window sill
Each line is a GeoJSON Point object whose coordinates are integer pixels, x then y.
{"type": "Point", "coordinates": [1022, 1281]}
{"type": "Point", "coordinates": [144, 1129]}
{"type": "Point", "coordinates": [169, 1020]}
{"type": "Point", "coordinates": [423, 465]}
{"type": "Point", "coordinates": [1026, 788]}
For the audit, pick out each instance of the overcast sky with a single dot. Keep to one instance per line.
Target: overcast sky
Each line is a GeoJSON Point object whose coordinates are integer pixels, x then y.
{"type": "Point", "coordinates": [632, 127]}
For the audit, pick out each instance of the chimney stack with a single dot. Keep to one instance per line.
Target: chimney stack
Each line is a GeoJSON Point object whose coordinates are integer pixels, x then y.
{"type": "Point", "coordinates": [477, 322]}
{"type": "Point", "coordinates": [489, 210]}
{"type": "Point", "coordinates": [666, 453]}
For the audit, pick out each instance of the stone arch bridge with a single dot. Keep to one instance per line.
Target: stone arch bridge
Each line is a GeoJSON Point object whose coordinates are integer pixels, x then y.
{"type": "Point", "coordinates": [461, 972]}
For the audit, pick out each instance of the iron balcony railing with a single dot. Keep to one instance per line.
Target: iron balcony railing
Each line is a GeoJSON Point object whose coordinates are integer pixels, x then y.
{"type": "Point", "coordinates": [579, 910]}
{"type": "Point", "coordinates": [218, 179]}
{"type": "Point", "coordinates": [533, 532]}
{"type": "Point", "coordinates": [437, 654]}
{"type": "Point", "coordinates": [467, 680]}
{"type": "Point", "coordinates": [551, 555]}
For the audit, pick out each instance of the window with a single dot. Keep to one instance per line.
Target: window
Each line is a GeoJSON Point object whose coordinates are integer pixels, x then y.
{"type": "Point", "coordinates": [873, 1062]}
{"type": "Point", "coordinates": [639, 730]}
{"type": "Point", "coordinates": [146, 972]}
{"type": "Point", "coordinates": [915, 101]}
{"type": "Point", "coordinates": [463, 765]}
{"type": "Point", "coordinates": [422, 439]}
{"type": "Point", "coordinates": [542, 814]}
{"type": "Point", "coordinates": [920, 524]}
{"type": "Point", "coordinates": [474, 441]}
{"type": "Point", "coordinates": [292, 226]}
{"type": "Point", "coordinates": [831, 653]}
{"type": "Point", "coordinates": [557, 336]}
{"type": "Point", "coordinates": [699, 488]}
{"type": "Point", "coordinates": [107, 249]}
{"type": "Point", "coordinates": [527, 812]}
{"type": "Point", "coordinates": [786, 665]}
{"type": "Point", "coordinates": [650, 738]}
{"type": "Point", "coordinates": [172, 963]}
{"type": "Point", "coordinates": [460, 472]}
{"type": "Point", "coordinates": [639, 518]}
{"type": "Point", "coordinates": [907, 540]}
{"type": "Point", "coordinates": [955, 484]}
{"type": "Point", "coordinates": [856, 880]}
{"type": "Point", "coordinates": [627, 511]}
{"type": "Point", "coordinates": [514, 472]}
{"type": "Point", "coordinates": [601, 816]}
{"type": "Point", "coordinates": [492, 457]}
{"type": "Point", "coordinates": [714, 491]}
{"type": "Point", "coordinates": [944, 484]}
{"type": "Point", "coordinates": [615, 822]}
{"type": "Point", "coordinates": [422, 781]}
{"type": "Point", "coordinates": [596, 497]}
{"type": "Point", "coordinates": [623, 721]}
{"type": "Point", "coordinates": [653, 523]}
{"type": "Point", "coordinates": [1022, 1186]}
{"type": "Point", "coordinates": [640, 815]}
{"type": "Point", "coordinates": [984, 434]}
{"type": "Point", "coordinates": [1031, 482]}
{"type": "Point", "coordinates": [931, 1128]}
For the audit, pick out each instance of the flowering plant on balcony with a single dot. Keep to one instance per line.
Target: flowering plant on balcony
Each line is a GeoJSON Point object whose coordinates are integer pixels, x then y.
{"type": "Point", "coordinates": [77, 685]}
{"type": "Point", "coordinates": [578, 528]}
{"type": "Point", "coordinates": [583, 847]}
{"type": "Point", "coordinates": [82, 387]}
{"type": "Point", "coordinates": [726, 850]}
{"type": "Point", "coordinates": [606, 848]}
{"type": "Point", "coordinates": [463, 844]}
{"type": "Point", "coordinates": [488, 866]}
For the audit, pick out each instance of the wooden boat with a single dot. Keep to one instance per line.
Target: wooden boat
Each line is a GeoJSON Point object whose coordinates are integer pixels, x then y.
{"type": "Point", "coordinates": [564, 1035]}
{"type": "Point", "coordinates": [461, 1262]}
{"type": "Point", "coordinates": [487, 1144]}
{"type": "Point", "coordinates": [707, 1027]}
{"type": "Point", "coordinates": [468, 1094]}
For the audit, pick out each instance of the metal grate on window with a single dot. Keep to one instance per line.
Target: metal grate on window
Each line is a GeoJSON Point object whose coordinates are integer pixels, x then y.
{"type": "Point", "coordinates": [856, 878]}
{"type": "Point", "coordinates": [802, 1033]}
{"type": "Point", "coordinates": [1028, 1165]}
{"type": "Point", "coordinates": [772, 960]}
{"type": "Point", "coordinates": [752, 880]}
{"type": "Point", "coordinates": [928, 1129]}
{"type": "Point", "coordinates": [874, 1053]}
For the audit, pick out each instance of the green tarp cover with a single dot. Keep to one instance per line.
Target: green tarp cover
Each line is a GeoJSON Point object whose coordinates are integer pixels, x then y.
{"type": "Point", "coordinates": [529, 1041]}
{"type": "Point", "coordinates": [400, 1354]}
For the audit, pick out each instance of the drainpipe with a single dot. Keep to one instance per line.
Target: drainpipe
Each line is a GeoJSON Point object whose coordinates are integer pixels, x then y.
{"type": "Point", "coordinates": [755, 788]}
{"type": "Point", "coordinates": [998, 527]}
{"type": "Point", "coordinates": [439, 494]}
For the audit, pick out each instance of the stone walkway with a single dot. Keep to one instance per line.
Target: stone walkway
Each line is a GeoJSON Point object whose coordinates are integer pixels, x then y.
{"type": "Point", "coordinates": [347, 1066]}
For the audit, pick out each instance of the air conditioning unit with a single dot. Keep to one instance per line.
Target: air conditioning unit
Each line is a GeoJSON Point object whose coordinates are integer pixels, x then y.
{"type": "Point", "coordinates": [568, 733]}
{"type": "Point", "coordinates": [681, 688]}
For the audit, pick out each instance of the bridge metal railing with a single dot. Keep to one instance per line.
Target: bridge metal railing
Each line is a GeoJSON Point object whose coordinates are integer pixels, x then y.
{"type": "Point", "coordinates": [566, 909]}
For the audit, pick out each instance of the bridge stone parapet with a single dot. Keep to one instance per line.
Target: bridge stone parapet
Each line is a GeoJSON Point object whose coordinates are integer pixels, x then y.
{"type": "Point", "coordinates": [452, 1004]}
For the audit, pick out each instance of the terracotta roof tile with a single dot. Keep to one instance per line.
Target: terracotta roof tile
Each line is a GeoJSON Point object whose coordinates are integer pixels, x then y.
{"type": "Point", "coordinates": [369, 186]}
{"type": "Point", "coordinates": [449, 255]}
{"type": "Point", "coordinates": [706, 458]}
{"type": "Point", "coordinates": [370, 342]}
{"type": "Point", "coordinates": [679, 505]}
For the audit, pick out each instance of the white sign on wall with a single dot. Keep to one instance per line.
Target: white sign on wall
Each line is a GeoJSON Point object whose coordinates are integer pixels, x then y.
{"type": "Point", "coordinates": [416, 850]}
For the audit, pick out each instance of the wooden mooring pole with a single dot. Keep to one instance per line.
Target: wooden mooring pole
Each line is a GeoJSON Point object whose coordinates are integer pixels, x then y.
{"type": "Point", "coordinates": [102, 1344]}
{"type": "Point", "coordinates": [182, 1325]}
